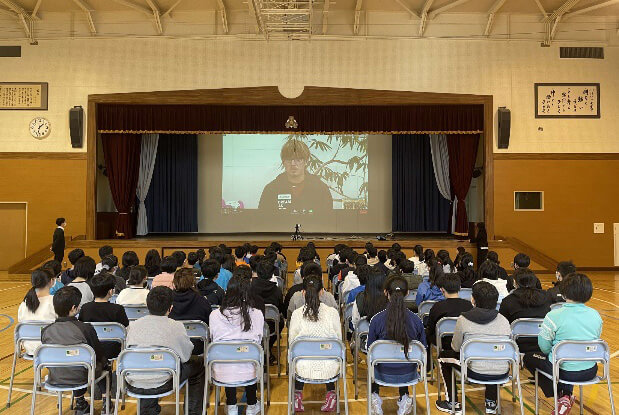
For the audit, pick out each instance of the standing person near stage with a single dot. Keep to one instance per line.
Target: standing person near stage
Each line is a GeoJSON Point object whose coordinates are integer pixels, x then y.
{"type": "Point", "coordinates": [58, 243]}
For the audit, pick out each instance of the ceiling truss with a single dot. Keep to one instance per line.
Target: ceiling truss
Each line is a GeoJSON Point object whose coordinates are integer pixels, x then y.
{"type": "Point", "coordinates": [285, 18]}
{"type": "Point", "coordinates": [87, 12]}
{"type": "Point", "coordinates": [551, 22]}
{"type": "Point", "coordinates": [25, 19]}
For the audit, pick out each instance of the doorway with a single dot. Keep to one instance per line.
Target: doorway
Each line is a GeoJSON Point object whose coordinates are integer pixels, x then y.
{"type": "Point", "coordinates": [13, 216]}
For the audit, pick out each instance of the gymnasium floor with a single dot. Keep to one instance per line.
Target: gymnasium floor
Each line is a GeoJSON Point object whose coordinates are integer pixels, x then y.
{"type": "Point", "coordinates": [605, 300]}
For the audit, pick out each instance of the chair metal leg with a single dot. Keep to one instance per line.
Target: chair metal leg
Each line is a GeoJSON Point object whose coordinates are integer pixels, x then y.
{"type": "Point", "coordinates": [581, 402]}
{"type": "Point", "coordinates": [137, 402]}
{"type": "Point", "coordinates": [268, 374]}
{"type": "Point", "coordinates": [216, 398]}
{"type": "Point", "coordinates": [60, 403]}
{"type": "Point", "coordinates": [345, 391]}
{"type": "Point", "coordinates": [414, 399]}
{"type": "Point", "coordinates": [439, 375]}
{"type": "Point", "coordinates": [107, 394]}
{"type": "Point", "coordinates": [8, 401]}
{"type": "Point", "coordinates": [453, 392]}
{"type": "Point", "coordinates": [261, 395]}
{"type": "Point", "coordinates": [369, 386]}
{"type": "Point", "coordinates": [463, 392]}
{"type": "Point", "coordinates": [536, 397]}
{"type": "Point", "coordinates": [279, 352]}
{"type": "Point", "coordinates": [356, 369]}
{"type": "Point", "coordinates": [425, 389]}
{"type": "Point", "coordinates": [555, 390]}
{"type": "Point", "coordinates": [514, 388]}
{"type": "Point", "coordinates": [117, 394]}
{"type": "Point", "coordinates": [177, 394]}
{"type": "Point", "coordinates": [34, 396]}
{"type": "Point", "coordinates": [498, 399]}
{"type": "Point", "coordinates": [186, 399]}
{"type": "Point", "coordinates": [610, 393]}
{"type": "Point", "coordinates": [92, 395]}
{"type": "Point", "coordinates": [337, 397]}
{"type": "Point", "coordinates": [290, 390]}
{"type": "Point", "coordinates": [520, 393]}
{"type": "Point", "coordinates": [72, 405]}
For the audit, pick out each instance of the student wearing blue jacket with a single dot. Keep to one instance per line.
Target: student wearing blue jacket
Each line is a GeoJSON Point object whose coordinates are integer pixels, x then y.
{"type": "Point", "coordinates": [430, 290]}
{"type": "Point", "coordinates": [573, 321]}
{"type": "Point", "coordinates": [399, 324]}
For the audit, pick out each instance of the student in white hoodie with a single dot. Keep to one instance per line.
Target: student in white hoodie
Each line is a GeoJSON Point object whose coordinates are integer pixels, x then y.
{"type": "Point", "coordinates": [38, 304]}
{"type": "Point", "coordinates": [315, 319]}
{"type": "Point", "coordinates": [489, 272]}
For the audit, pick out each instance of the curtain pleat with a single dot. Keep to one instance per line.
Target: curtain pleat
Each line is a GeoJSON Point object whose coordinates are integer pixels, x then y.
{"type": "Point", "coordinates": [148, 156]}
{"type": "Point", "coordinates": [418, 206]}
{"type": "Point", "coordinates": [462, 156]}
{"type": "Point", "coordinates": [122, 163]}
{"type": "Point", "coordinates": [440, 162]}
{"type": "Point", "coordinates": [172, 199]}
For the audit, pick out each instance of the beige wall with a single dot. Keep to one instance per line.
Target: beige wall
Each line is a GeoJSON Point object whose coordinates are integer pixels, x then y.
{"type": "Point", "coordinates": [506, 70]}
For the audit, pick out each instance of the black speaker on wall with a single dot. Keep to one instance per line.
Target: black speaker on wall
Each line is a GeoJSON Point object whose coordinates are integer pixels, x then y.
{"type": "Point", "coordinates": [505, 120]}
{"type": "Point", "coordinates": [76, 126]}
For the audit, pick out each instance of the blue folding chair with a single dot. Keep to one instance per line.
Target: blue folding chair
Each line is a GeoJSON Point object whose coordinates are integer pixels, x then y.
{"type": "Point", "coordinates": [153, 361]}
{"type": "Point", "coordinates": [24, 331]}
{"type": "Point", "coordinates": [524, 327]}
{"type": "Point", "coordinates": [199, 330]}
{"type": "Point", "coordinates": [424, 309]}
{"type": "Point", "coordinates": [410, 297]}
{"type": "Point", "coordinates": [362, 330]}
{"type": "Point", "coordinates": [271, 313]}
{"type": "Point", "coordinates": [556, 306]}
{"type": "Point", "coordinates": [234, 352]}
{"type": "Point", "coordinates": [465, 293]}
{"type": "Point", "coordinates": [497, 349]}
{"type": "Point", "coordinates": [74, 356]}
{"type": "Point", "coordinates": [111, 332]}
{"type": "Point", "coordinates": [346, 319]}
{"type": "Point", "coordinates": [265, 346]}
{"type": "Point", "coordinates": [113, 299]}
{"type": "Point", "coordinates": [135, 312]}
{"type": "Point", "coordinates": [578, 351]}
{"type": "Point", "coordinates": [387, 351]}
{"type": "Point", "coordinates": [306, 348]}
{"type": "Point", "coordinates": [444, 327]}
{"type": "Point", "coordinates": [149, 282]}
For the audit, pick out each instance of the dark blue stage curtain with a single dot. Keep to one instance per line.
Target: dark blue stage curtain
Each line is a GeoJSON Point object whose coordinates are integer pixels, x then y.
{"type": "Point", "coordinates": [417, 204]}
{"type": "Point", "coordinates": [172, 200]}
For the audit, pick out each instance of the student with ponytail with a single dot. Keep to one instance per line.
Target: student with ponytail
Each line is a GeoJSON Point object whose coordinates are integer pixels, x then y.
{"type": "Point", "coordinates": [431, 290]}
{"type": "Point", "coordinates": [38, 304]}
{"type": "Point", "coordinates": [136, 291]}
{"type": "Point", "coordinates": [468, 276]}
{"type": "Point", "coordinates": [399, 324]}
{"type": "Point", "coordinates": [315, 319]}
{"type": "Point", "coordinates": [236, 319]}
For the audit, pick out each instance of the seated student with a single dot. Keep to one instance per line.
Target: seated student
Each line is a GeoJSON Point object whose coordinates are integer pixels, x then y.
{"type": "Point", "coordinates": [564, 268]}
{"type": "Point", "coordinates": [573, 321]}
{"type": "Point", "coordinates": [305, 255]}
{"type": "Point", "coordinates": [239, 255]}
{"type": "Point", "coordinates": [84, 271]}
{"type": "Point", "coordinates": [237, 319]}
{"type": "Point", "coordinates": [180, 257]}
{"type": "Point", "coordinates": [309, 267]}
{"type": "Point", "coordinates": [406, 270]}
{"type": "Point", "coordinates": [69, 274]}
{"type": "Point", "coordinates": [424, 266]}
{"type": "Point", "coordinates": [382, 259]}
{"type": "Point", "coordinates": [102, 311]}
{"type": "Point", "coordinates": [201, 257]}
{"type": "Point", "coordinates": [489, 272]}
{"type": "Point", "coordinates": [526, 301]}
{"type": "Point", "coordinates": [104, 251]}
{"type": "Point", "coordinates": [129, 259]}
{"type": "Point", "coordinates": [269, 292]}
{"type": "Point", "coordinates": [224, 276]}
{"type": "Point", "coordinates": [430, 290]}
{"type": "Point", "coordinates": [56, 269]}
{"type": "Point", "coordinates": [188, 303]}
{"type": "Point", "coordinates": [396, 258]}
{"type": "Point", "coordinates": [253, 264]}
{"type": "Point", "coordinates": [152, 263]}
{"type": "Point", "coordinates": [521, 261]}
{"type": "Point", "coordinates": [157, 330]}
{"type": "Point", "coordinates": [335, 256]}
{"type": "Point", "coordinates": [110, 264]}
{"type": "Point", "coordinates": [458, 259]}
{"type": "Point", "coordinates": [207, 286]}
{"type": "Point", "coordinates": [444, 259]}
{"type": "Point", "coordinates": [253, 251]}
{"type": "Point", "coordinates": [298, 299]}
{"type": "Point", "coordinates": [362, 273]}
{"type": "Point", "coordinates": [166, 278]}
{"type": "Point", "coordinates": [451, 306]}
{"type": "Point", "coordinates": [315, 319]}
{"type": "Point", "coordinates": [399, 324]}
{"type": "Point", "coordinates": [466, 271]}
{"type": "Point", "coordinates": [372, 300]}
{"type": "Point", "coordinates": [136, 291]}
{"type": "Point", "coordinates": [372, 255]}
{"type": "Point", "coordinates": [494, 257]}
{"type": "Point", "coordinates": [192, 260]}
{"type": "Point", "coordinates": [38, 304]}
{"type": "Point", "coordinates": [67, 330]}
{"type": "Point", "coordinates": [482, 321]}
{"type": "Point", "coordinates": [418, 257]}
{"type": "Point", "coordinates": [351, 280]}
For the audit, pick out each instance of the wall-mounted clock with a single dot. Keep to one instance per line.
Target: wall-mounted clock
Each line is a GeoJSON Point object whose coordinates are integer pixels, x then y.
{"type": "Point", "coordinates": [40, 128]}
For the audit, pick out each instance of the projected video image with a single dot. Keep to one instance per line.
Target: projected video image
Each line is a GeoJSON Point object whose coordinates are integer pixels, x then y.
{"type": "Point", "coordinates": [297, 174]}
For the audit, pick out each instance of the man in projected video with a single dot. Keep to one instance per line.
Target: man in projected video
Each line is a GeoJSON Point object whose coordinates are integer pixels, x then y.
{"type": "Point", "coordinates": [296, 190]}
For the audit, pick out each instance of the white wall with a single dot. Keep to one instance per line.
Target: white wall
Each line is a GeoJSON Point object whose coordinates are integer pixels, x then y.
{"type": "Point", "coordinates": [506, 70]}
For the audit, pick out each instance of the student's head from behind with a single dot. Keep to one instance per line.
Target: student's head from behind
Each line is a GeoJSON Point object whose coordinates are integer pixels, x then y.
{"type": "Point", "coordinates": [363, 271]}
{"type": "Point", "coordinates": [152, 260]}
{"type": "Point", "coordinates": [312, 287]}
{"type": "Point", "coordinates": [382, 256]}
{"type": "Point", "coordinates": [210, 268]}
{"type": "Point", "coordinates": [137, 276]}
{"type": "Point", "coordinates": [406, 266]}
{"type": "Point", "coordinates": [525, 278]}
{"type": "Point", "coordinates": [489, 271]}
{"type": "Point", "coordinates": [61, 222]}
{"type": "Point", "coordinates": [110, 262]}
{"type": "Point", "coordinates": [130, 259]}
{"type": "Point", "coordinates": [372, 252]}
{"type": "Point", "coordinates": [159, 301]}
{"type": "Point", "coordinates": [521, 261]}
{"type": "Point", "coordinates": [253, 262]}
{"type": "Point", "coordinates": [466, 262]}
{"type": "Point", "coordinates": [54, 266]}
{"type": "Point", "coordinates": [276, 246]}
{"type": "Point", "coordinates": [396, 247]}
{"type": "Point", "coordinates": [576, 288]}
{"type": "Point", "coordinates": [238, 297]}
{"type": "Point", "coordinates": [485, 295]}
{"type": "Point", "coordinates": [168, 264]}
{"type": "Point", "coordinates": [450, 284]}
{"type": "Point", "coordinates": [217, 254]}
{"type": "Point", "coordinates": [41, 279]}
{"type": "Point", "coordinates": [265, 269]}
{"type": "Point", "coordinates": [180, 257]}
{"type": "Point", "coordinates": [253, 250]}
{"type": "Point", "coordinates": [306, 254]}
{"type": "Point", "coordinates": [418, 249]}
{"type": "Point", "coordinates": [184, 280]}
{"type": "Point", "coordinates": [239, 252]}
{"type": "Point", "coordinates": [105, 250]}
{"type": "Point", "coordinates": [85, 268]}
{"type": "Point", "coordinates": [360, 260]}
{"type": "Point", "coordinates": [565, 268]}
{"type": "Point", "coordinates": [443, 257]}
{"type": "Point", "coordinates": [428, 254]}
{"type": "Point", "coordinates": [75, 255]}
{"type": "Point", "coordinates": [398, 257]}
{"type": "Point", "coordinates": [102, 285]}
{"type": "Point", "coordinates": [436, 272]}
{"type": "Point", "coordinates": [295, 155]}
{"type": "Point", "coordinates": [67, 301]}
{"type": "Point", "coordinates": [494, 257]}
{"type": "Point", "coordinates": [192, 258]}
{"type": "Point", "coordinates": [310, 268]}
{"type": "Point", "coordinates": [242, 271]}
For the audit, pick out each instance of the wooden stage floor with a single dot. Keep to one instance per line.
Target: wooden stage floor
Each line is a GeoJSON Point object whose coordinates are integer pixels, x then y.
{"type": "Point", "coordinates": [605, 300]}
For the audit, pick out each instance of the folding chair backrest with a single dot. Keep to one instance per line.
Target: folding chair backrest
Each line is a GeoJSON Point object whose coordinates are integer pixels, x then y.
{"type": "Point", "coordinates": [526, 327]}
{"type": "Point", "coordinates": [271, 313]}
{"type": "Point", "coordinates": [348, 311]}
{"type": "Point", "coordinates": [363, 326]}
{"type": "Point", "coordinates": [113, 299]}
{"type": "Point", "coordinates": [214, 307]}
{"type": "Point", "coordinates": [135, 312]}
{"type": "Point", "coordinates": [445, 327]}
{"type": "Point", "coordinates": [30, 330]}
{"type": "Point", "coordinates": [111, 332]}
{"type": "Point", "coordinates": [196, 329]}
{"type": "Point", "coordinates": [499, 348]}
{"type": "Point", "coordinates": [425, 307]}
{"type": "Point", "coordinates": [581, 351]}
{"type": "Point", "coordinates": [53, 355]}
{"type": "Point", "coordinates": [149, 282]}
{"type": "Point", "coordinates": [411, 296]}
{"type": "Point", "coordinates": [234, 352]}
{"type": "Point", "coordinates": [152, 360]}
{"type": "Point", "coordinates": [382, 351]}
{"type": "Point", "coordinates": [280, 282]}
{"type": "Point", "coordinates": [317, 349]}
{"type": "Point", "coordinates": [556, 306]}
{"type": "Point", "coordinates": [465, 293]}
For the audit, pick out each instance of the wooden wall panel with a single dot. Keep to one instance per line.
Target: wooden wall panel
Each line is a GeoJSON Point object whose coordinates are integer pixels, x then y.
{"type": "Point", "coordinates": [52, 188]}
{"type": "Point", "coordinates": [577, 194]}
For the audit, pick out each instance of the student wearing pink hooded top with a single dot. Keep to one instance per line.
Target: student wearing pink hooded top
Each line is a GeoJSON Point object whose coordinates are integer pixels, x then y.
{"type": "Point", "coordinates": [237, 319]}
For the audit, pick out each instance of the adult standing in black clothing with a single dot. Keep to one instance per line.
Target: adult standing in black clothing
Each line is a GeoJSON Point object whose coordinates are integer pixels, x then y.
{"type": "Point", "coordinates": [481, 240]}
{"type": "Point", "coordinates": [58, 243]}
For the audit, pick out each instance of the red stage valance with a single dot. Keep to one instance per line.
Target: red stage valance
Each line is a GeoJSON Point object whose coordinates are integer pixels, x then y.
{"type": "Point", "coordinates": [386, 119]}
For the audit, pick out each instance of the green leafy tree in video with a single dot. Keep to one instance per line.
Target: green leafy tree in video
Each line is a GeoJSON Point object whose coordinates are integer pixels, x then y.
{"type": "Point", "coordinates": [336, 171]}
